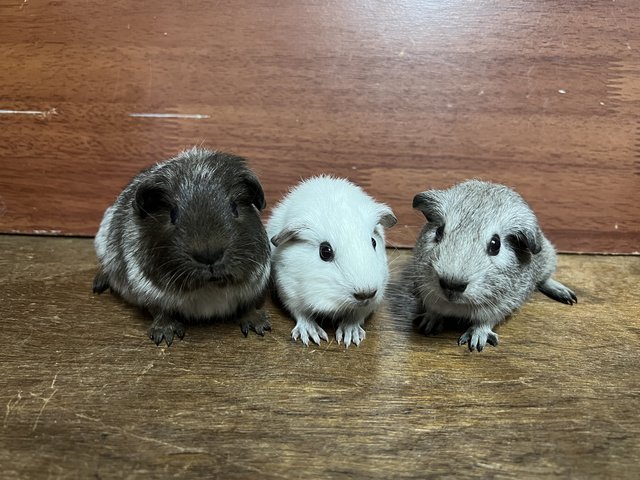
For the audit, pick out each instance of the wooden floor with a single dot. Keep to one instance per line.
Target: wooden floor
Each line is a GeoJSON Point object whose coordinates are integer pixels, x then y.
{"type": "Point", "coordinates": [88, 395]}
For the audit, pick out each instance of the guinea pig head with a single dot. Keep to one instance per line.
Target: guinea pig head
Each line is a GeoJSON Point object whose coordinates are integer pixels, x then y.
{"type": "Point", "coordinates": [199, 222]}
{"type": "Point", "coordinates": [336, 260]}
{"type": "Point", "coordinates": [477, 245]}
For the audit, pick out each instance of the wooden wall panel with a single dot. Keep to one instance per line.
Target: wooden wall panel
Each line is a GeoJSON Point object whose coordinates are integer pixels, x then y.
{"type": "Point", "coordinates": [400, 96]}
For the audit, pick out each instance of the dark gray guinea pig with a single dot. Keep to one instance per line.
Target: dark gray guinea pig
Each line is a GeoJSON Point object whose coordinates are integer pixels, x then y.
{"type": "Point", "coordinates": [478, 258]}
{"type": "Point", "coordinates": [184, 241]}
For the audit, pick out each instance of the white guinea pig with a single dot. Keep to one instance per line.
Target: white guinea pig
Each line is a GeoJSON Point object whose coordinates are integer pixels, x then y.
{"type": "Point", "coordinates": [328, 257]}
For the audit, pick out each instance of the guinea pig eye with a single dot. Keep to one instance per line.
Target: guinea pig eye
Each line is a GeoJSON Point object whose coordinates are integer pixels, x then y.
{"type": "Point", "coordinates": [439, 234]}
{"type": "Point", "coordinates": [234, 209]}
{"type": "Point", "coordinates": [173, 215]}
{"type": "Point", "coordinates": [326, 252]}
{"type": "Point", "coordinates": [494, 245]}
{"type": "Point", "coordinates": [373, 243]}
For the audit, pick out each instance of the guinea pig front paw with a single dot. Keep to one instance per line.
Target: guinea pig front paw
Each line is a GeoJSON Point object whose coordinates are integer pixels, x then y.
{"type": "Point", "coordinates": [100, 282]}
{"type": "Point", "coordinates": [165, 327]}
{"type": "Point", "coordinates": [477, 336]}
{"type": "Point", "coordinates": [306, 330]}
{"type": "Point", "coordinates": [258, 323]}
{"type": "Point", "coordinates": [350, 333]}
{"type": "Point", "coordinates": [428, 324]}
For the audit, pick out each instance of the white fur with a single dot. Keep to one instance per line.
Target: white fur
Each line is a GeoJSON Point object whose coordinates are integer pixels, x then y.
{"type": "Point", "coordinates": [327, 209]}
{"type": "Point", "coordinates": [100, 242]}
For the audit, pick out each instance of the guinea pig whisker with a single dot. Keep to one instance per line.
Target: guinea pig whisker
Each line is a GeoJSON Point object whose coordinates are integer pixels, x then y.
{"type": "Point", "coordinates": [181, 277]}
{"type": "Point", "coordinates": [168, 262]}
{"type": "Point", "coordinates": [428, 294]}
{"type": "Point", "coordinates": [159, 247]}
{"type": "Point", "coordinates": [175, 277]}
{"type": "Point", "coordinates": [251, 260]}
{"type": "Point", "coordinates": [393, 269]}
{"type": "Point", "coordinates": [392, 260]}
{"type": "Point", "coordinates": [188, 280]}
{"type": "Point", "coordinates": [338, 311]}
{"type": "Point", "coordinates": [171, 281]}
{"type": "Point", "coordinates": [344, 306]}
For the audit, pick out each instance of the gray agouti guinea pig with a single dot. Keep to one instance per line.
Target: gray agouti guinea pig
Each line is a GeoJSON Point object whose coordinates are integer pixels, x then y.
{"type": "Point", "coordinates": [478, 258]}
{"type": "Point", "coordinates": [184, 241]}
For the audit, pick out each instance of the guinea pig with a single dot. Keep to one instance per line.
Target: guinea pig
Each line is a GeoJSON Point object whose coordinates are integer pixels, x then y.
{"type": "Point", "coordinates": [478, 258]}
{"type": "Point", "coordinates": [328, 257]}
{"type": "Point", "coordinates": [184, 241]}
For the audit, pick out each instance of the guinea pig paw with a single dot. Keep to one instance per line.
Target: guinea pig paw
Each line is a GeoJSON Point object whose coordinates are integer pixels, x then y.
{"type": "Point", "coordinates": [100, 282]}
{"type": "Point", "coordinates": [350, 333]}
{"type": "Point", "coordinates": [477, 337]}
{"type": "Point", "coordinates": [164, 328]}
{"type": "Point", "coordinates": [306, 330]}
{"type": "Point", "coordinates": [260, 324]}
{"type": "Point", "coordinates": [429, 325]}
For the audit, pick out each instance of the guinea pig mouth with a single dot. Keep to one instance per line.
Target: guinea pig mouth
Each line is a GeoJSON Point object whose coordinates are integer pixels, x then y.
{"type": "Point", "coordinates": [362, 303]}
{"type": "Point", "coordinates": [219, 279]}
{"type": "Point", "coordinates": [214, 276]}
{"type": "Point", "coordinates": [453, 297]}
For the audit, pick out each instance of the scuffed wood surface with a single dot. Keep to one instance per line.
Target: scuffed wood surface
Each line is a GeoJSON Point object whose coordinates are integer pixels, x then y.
{"type": "Point", "coordinates": [87, 395]}
{"type": "Point", "coordinates": [399, 96]}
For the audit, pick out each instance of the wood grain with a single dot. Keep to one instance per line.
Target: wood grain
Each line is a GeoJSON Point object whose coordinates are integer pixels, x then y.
{"type": "Point", "coordinates": [400, 96]}
{"type": "Point", "coordinates": [88, 395]}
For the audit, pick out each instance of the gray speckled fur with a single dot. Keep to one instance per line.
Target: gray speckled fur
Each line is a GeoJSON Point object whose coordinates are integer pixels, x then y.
{"type": "Point", "coordinates": [472, 212]}
{"type": "Point", "coordinates": [149, 260]}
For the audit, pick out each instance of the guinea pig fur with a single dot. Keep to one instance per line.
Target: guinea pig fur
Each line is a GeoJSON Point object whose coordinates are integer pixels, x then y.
{"type": "Point", "coordinates": [328, 257]}
{"type": "Point", "coordinates": [478, 258]}
{"type": "Point", "coordinates": [184, 241]}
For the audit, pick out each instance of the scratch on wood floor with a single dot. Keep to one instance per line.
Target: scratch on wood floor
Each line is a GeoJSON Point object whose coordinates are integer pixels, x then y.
{"type": "Point", "coordinates": [46, 401]}
{"type": "Point", "coordinates": [142, 437]}
{"type": "Point", "coordinates": [168, 115]}
{"type": "Point", "coordinates": [182, 369]}
{"type": "Point", "coordinates": [526, 381]}
{"type": "Point", "coordinates": [144, 371]}
{"type": "Point", "coordinates": [11, 404]}
{"type": "Point", "coordinates": [490, 466]}
{"type": "Point", "coordinates": [147, 368]}
{"type": "Point", "coordinates": [87, 417]}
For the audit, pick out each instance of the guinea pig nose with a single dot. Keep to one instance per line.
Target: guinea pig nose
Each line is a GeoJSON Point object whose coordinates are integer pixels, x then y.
{"type": "Point", "coordinates": [208, 257]}
{"type": "Point", "coordinates": [453, 285]}
{"type": "Point", "coordinates": [364, 295]}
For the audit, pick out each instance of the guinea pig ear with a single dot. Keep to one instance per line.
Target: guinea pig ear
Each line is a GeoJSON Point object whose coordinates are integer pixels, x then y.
{"type": "Point", "coordinates": [151, 198]}
{"type": "Point", "coordinates": [387, 218]}
{"type": "Point", "coordinates": [254, 190]}
{"type": "Point", "coordinates": [286, 234]}
{"type": "Point", "coordinates": [428, 203]}
{"type": "Point", "coordinates": [527, 240]}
